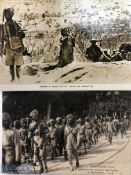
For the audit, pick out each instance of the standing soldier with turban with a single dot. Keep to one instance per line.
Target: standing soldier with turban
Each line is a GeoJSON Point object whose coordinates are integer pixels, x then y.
{"type": "Point", "coordinates": [32, 127]}
{"type": "Point", "coordinates": [13, 36]}
{"type": "Point", "coordinates": [71, 141]}
{"type": "Point", "coordinates": [11, 150]}
{"type": "Point", "coordinates": [67, 44]}
{"type": "Point", "coordinates": [53, 135]}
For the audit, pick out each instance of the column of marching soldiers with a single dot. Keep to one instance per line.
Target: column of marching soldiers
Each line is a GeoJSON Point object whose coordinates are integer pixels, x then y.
{"type": "Point", "coordinates": [30, 140]}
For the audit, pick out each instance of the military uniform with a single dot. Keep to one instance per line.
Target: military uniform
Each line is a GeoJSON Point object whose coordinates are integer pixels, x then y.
{"type": "Point", "coordinates": [53, 135]}
{"type": "Point", "coordinates": [60, 130]}
{"type": "Point", "coordinates": [13, 36]}
{"type": "Point", "coordinates": [81, 139]}
{"type": "Point", "coordinates": [71, 142]}
{"type": "Point", "coordinates": [11, 149]}
{"type": "Point", "coordinates": [66, 48]}
{"type": "Point", "coordinates": [40, 152]}
{"type": "Point", "coordinates": [88, 132]}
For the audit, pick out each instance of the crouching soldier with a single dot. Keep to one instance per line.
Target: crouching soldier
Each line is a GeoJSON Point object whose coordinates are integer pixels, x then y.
{"type": "Point", "coordinates": [13, 36]}
{"type": "Point", "coordinates": [40, 152]}
{"type": "Point", "coordinates": [11, 150]}
{"type": "Point", "coordinates": [71, 141]}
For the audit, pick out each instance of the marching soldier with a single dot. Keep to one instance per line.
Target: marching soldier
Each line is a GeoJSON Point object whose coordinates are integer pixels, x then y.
{"type": "Point", "coordinates": [80, 135]}
{"type": "Point", "coordinates": [13, 36]}
{"type": "Point", "coordinates": [88, 131]}
{"type": "Point", "coordinates": [71, 141]}
{"type": "Point", "coordinates": [10, 142]}
{"type": "Point", "coordinates": [17, 125]}
{"type": "Point", "coordinates": [40, 152]}
{"type": "Point", "coordinates": [53, 135]}
{"type": "Point", "coordinates": [23, 131]}
{"type": "Point", "coordinates": [109, 126]}
{"type": "Point", "coordinates": [32, 127]}
{"type": "Point", "coordinates": [60, 128]}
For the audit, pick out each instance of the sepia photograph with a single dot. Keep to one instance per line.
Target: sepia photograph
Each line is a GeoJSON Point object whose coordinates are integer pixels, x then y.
{"type": "Point", "coordinates": [65, 42]}
{"type": "Point", "coordinates": [66, 132]}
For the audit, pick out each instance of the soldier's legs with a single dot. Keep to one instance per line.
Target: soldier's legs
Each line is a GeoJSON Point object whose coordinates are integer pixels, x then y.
{"type": "Point", "coordinates": [12, 72]}
{"type": "Point", "coordinates": [18, 69]}
{"type": "Point", "coordinates": [75, 153]}
{"type": "Point", "coordinates": [9, 156]}
{"type": "Point", "coordinates": [70, 158]}
{"type": "Point", "coordinates": [44, 161]}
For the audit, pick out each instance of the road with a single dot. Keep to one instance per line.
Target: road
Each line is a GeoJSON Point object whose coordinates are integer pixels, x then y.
{"type": "Point", "coordinates": [102, 159]}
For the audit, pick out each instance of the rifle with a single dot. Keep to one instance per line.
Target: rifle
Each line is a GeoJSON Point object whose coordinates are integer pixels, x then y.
{"type": "Point", "coordinates": [1, 40]}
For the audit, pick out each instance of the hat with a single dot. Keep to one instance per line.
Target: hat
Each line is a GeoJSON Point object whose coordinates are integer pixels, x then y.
{"type": "Point", "coordinates": [16, 121]}
{"type": "Point", "coordinates": [58, 118]}
{"type": "Point", "coordinates": [93, 40]}
{"type": "Point", "coordinates": [8, 10]}
{"type": "Point", "coordinates": [51, 121]}
{"type": "Point", "coordinates": [37, 131]}
{"type": "Point", "coordinates": [34, 113]}
{"type": "Point", "coordinates": [70, 116]}
{"type": "Point", "coordinates": [23, 121]}
{"type": "Point", "coordinates": [6, 116]}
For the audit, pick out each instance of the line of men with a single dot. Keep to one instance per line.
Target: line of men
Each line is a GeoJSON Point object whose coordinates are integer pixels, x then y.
{"type": "Point", "coordinates": [30, 139]}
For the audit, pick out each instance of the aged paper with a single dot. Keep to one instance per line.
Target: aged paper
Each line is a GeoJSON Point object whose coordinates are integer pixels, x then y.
{"type": "Point", "coordinates": [83, 132]}
{"type": "Point", "coordinates": [58, 36]}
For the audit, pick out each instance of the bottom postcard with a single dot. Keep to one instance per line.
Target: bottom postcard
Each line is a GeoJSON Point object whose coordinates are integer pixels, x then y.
{"type": "Point", "coordinates": [66, 132]}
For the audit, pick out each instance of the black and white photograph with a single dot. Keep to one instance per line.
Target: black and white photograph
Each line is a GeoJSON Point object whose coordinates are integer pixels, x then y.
{"type": "Point", "coordinates": [65, 42]}
{"type": "Point", "coordinates": [66, 132]}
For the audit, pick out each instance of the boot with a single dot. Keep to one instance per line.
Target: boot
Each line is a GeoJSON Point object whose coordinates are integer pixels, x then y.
{"type": "Point", "coordinates": [77, 164]}
{"type": "Point", "coordinates": [45, 166]}
{"type": "Point", "coordinates": [12, 73]}
{"type": "Point", "coordinates": [18, 72]}
{"type": "Point", "coordinates": [41, 168]}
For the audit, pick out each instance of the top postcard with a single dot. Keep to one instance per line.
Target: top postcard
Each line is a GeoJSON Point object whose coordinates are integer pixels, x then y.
{"type": "Point", "coordinates": [65, 42]}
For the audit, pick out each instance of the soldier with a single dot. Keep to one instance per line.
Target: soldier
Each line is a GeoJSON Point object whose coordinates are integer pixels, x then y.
{"type": "Point", "coordinates": [13, 36]}
{"type": "Point", "coordinates": [40, 152]}
{"type": "Point", "coordinates": [67, 43]}
{"type": "Point", "coordinates": [95, 131]}
{"type": "Point", "coordinates": [80, 135]}
{"type": "Point", "coordinates": [53, 135]}
{"type": "Point", "coordinates": [115, 123]}
{"type": "Point", "coordinates": [71, 141]}
{"type": "Point", "coordinates": [94, 52]}
{"type": "Point", "coordinates": [32, 127]}
{"type": "Point", "coordinates": [23, 131]}
{"type": "Point", "coordinates": [88, 131]}
{"type": "Point", "coordinates": [17, 125]}
{"type": "Point", "coordinates": [109, 126]}
{"type": "Point", "coordinates": [34, 123]}
{"type": "Point", "coordinates": [122, 127]}
{"type": "Point", "coordinates": [104, 127]}
{"type": "Point", "coordinates": [105, 57]}
{"type": "Point", "coordinates": [11, 150]}
{"type": "Point", "coordinates": [60, 128]}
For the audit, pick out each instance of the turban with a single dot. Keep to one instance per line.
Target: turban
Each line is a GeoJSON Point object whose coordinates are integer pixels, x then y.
{"type": "Point", "coordinates": [6, 116]}
{"type": "Point", "coordinates": [34, 113]}
{"type": "Point", "coordinates": [9, 10]}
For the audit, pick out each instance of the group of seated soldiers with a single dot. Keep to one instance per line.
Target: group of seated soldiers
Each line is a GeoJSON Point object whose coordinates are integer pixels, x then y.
{"type": "Point", "coordinates": [97, 54]}
{"type": "Point", "coordinates": [35, 140]}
